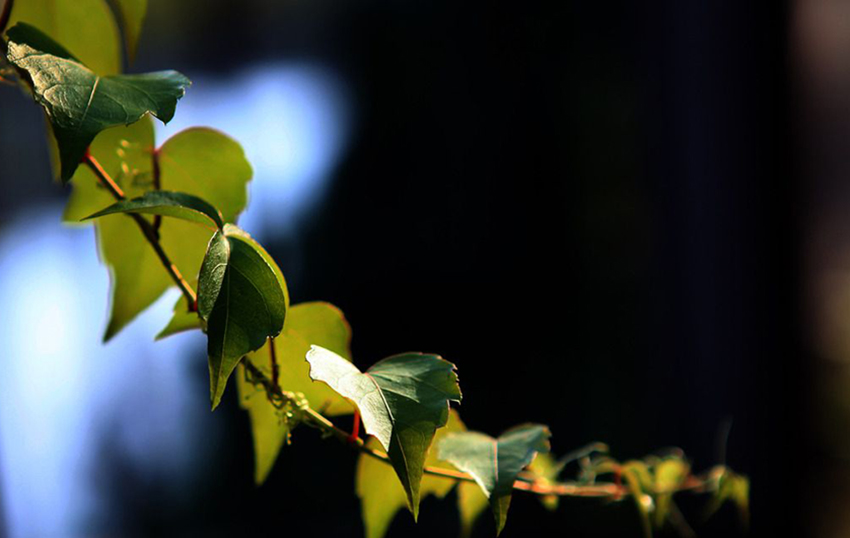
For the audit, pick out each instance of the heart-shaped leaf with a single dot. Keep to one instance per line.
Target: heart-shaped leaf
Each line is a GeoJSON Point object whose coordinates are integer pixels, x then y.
{"type": "Point", "coordinates": [402, 399]}
{"type": "Point", "coordinates": [199, 161]}
{"type": "Point", "coordinates": [495, 463]}
{"type": "Point", "coordinates": [381, 495]}
{"type": "Point", "coordinates": [170, 204]}
{"type": "Point", "coordinates": [306, 324]}
{"type": "Point", "coordinates": [242, 298]}
{"type": "Point", "coordinates": [80, 104]}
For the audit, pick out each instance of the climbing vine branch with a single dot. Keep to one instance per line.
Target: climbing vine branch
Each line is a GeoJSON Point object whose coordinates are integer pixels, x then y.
{"type": "Point", "coordinates": [148, 231]}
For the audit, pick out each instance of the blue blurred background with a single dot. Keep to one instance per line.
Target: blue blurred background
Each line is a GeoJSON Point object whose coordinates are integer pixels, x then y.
{"type": "Point", "coordinates": [627, 221]}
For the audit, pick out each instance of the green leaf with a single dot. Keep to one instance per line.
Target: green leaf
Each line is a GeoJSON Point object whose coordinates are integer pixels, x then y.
{"type": "Point", "coordinates": [28, 34]}
{"type": "Point", "coordinates": [183, 320]}
{"type": "Point", "coordinates": [199, 161]}
{"type": "Point", "coordinates": [132, 14]}
{"type": "Point", "coordinates": [381, 494]}
{"type": "Point", "coordinates": [495, 463]}
{"type": "Point", "coordinates": [243, 300]}
{"type": "Point", "coordinates": [306, 323]}
{"type": "Point", "coordinates": [270, 426]}
{"type": "Point", "coordinates": [670, 473]}
{"type": "Point", "coordinates": [546, 470]}
{"type": "Point", "coordinates": [170, 204]}
{"type": "Point", "coordinates": [402, 399]}
{"type": "Point", "coordinates": [85, 27]}
{"type": "Point", "coordinates": [731, 487]}
{"type": "Point", "coordinates": [471, 502]}
{"type": "Point", "coordinates": [640, 483]}
{"type": "Point", "coordinates": [80, 103]}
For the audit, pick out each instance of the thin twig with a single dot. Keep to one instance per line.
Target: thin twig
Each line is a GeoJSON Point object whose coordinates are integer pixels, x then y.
{"type": "Point", "coordinates": [157, 185]}
{"type": "Point", "coordinates": [273, 362]}
{"type": "Point", "coordinates": [146, 228]}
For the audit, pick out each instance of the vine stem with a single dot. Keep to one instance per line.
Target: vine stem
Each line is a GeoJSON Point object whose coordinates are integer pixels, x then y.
{"type": "Point", "coordinates": [525, 482]}
{"type": "Point", "coordinates": [147, 229]}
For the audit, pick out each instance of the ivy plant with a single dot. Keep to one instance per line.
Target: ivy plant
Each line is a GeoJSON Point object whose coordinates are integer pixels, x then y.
{"type": "Point", "coordinates": [165, 216]}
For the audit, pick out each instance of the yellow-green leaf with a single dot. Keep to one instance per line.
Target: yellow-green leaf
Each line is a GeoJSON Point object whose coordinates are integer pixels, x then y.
{"type": "Point", "coordinates": [132, 15]}
{"type": "Point", "coordinates": [198, 161]}
{"type": "Point", "coordinates": [306, 324]}
{"type": "Point", "coordinates": [471, 502]}
{"type": "Point", "coordinates": [669, 475]}
{"type": "Point", "coordinates": [381, 494]}
{"type": "Point", "coordinates": [85, 27]}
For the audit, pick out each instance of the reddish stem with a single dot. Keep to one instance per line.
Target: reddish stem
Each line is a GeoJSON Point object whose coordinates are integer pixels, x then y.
{"type": "Point", "coordinates": [146, 228]}
{"type": "Point", "coordinates": [355, 429]}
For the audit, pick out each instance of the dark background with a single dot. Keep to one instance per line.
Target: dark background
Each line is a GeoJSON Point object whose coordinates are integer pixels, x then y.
{"type": "Point", "coordinates": [591, 208]}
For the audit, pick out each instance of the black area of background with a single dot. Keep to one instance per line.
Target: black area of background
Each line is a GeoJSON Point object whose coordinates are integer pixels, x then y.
{"type": "Point", "coordinates": [588, 207]}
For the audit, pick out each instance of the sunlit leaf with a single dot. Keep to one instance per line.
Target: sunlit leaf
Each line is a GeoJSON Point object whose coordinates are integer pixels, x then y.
{"type": "Point", "coordinates": [80, 103]}
{"type": "Point", "coordinates": [85, 27]}
{"type": "Point", "coordinates": [669, 475]}
{"type": "Point", "coordinates": [545, 470]}
{"type": "Point", "coordinates": [402, 399]}
{"type": "Point", "coordinates": [731, 487]}
{"type": "Point", "coordinates": [495, 463]}
{"type": "Point", "coordinates": [199, 161]}
{"type": "Point", "coordinates": [381, 494]}
{"type": "Point", "coordinates": [243, 300]}
{"type": "Point", "coordinates": [639, 481]}
{"type": "Point", "coordinates": [306, 324]}
{"type": "Point", "coordinates": [132, 15]}
{"type": "Point", "coordinates": [167, 203]}
{"type": "Point", "coordinates": [183, 320]}
{"type": "Point", "coordinates": [471, 502]}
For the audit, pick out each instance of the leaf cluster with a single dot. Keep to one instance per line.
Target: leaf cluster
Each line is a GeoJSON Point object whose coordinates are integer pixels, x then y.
{"type": "Point", "coordinates": [294, 361]}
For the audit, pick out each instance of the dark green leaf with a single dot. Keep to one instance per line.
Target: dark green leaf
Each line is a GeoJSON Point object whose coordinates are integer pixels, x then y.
{"type": "Point", "coordinates": [242, 297]}
{"type": "Point", "coordinates": [402, 399]}
{"type": "Point", "coordinates": [85, 27]}
{"type": "Point", "coordinates": [306, 323]}
{"type": "Point", "coordinates": [81, 104]}
{"type": "Point", "coordinates": [27, 34]}
{"type": "Point", "coordinates": [495, 463]}
{"type": "Point", "coordinates": [381, 495]}
{"type": "Point", "coordinates": [170, 204]}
